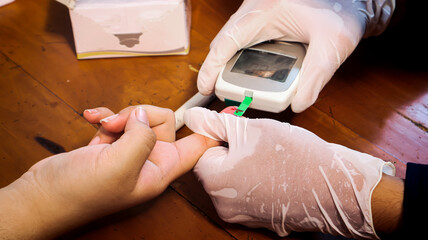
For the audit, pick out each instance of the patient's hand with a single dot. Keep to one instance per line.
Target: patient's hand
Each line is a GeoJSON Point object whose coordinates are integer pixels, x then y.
{"type": "Point", "coordinates": [131, 159]}
{"type": "Point", "coordinates": [170, 159]}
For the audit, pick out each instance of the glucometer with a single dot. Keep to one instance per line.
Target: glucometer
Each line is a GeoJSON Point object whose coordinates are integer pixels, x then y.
{"type": "Point", "coordinates": [264, 76]}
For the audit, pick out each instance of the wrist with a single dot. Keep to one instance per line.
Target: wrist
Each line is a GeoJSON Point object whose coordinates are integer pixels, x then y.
{"type": "Point", "coordinates": [20, 216]}
{"type": "Point", "coordinates": [387, 205]}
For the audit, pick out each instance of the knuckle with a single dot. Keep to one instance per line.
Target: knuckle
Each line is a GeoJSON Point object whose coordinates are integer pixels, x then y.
{"type": "Point", "coordinates": [169, 114]}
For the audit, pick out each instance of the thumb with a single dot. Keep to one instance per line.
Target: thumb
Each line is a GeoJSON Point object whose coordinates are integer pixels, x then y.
{"type": "Point", "coordinates": [238, 132]}
{"type": "Point", "coordinates": [211, 125]}
{"type": "Point", "coordinates": [211, 163]}
{"type": "Point", "coordinates": [136, 143]}
{"type": "Point", "coordinates": [324, 56]}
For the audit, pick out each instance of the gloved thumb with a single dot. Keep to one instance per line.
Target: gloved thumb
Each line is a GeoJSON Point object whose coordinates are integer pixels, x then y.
{"type": "Point", "coordinates": [237, 132]}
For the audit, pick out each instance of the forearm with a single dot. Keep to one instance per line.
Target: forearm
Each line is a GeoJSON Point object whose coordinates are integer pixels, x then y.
{"type": "Point", "coordinates": [27, 213]}
{"type": "Point", "coordinates": [387, 205]}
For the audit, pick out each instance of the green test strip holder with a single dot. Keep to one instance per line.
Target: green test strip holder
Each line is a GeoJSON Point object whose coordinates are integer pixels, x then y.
{"type": "Point", "coordinates": [242, 106]}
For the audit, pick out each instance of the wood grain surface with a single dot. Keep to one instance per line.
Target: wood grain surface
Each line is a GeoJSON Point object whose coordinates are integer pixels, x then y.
{"type": "Point", "coordinates": [377, 103]}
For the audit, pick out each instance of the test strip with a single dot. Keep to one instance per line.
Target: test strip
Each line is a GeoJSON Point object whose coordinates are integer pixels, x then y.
{"type": "Point", "coordinates": [243, 107]}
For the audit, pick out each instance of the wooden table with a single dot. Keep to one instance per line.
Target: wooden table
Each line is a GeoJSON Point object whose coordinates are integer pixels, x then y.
{"type": "Point", "coordinates": [376, 103]}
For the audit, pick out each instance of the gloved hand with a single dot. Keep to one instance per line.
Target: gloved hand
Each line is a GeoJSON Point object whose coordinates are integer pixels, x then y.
{"type": "Point", "coordinates": [285, 178]}
{"type": "Point", "coordinates": [331, 28]}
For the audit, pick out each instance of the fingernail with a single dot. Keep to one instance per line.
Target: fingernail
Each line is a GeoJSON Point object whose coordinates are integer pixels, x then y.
{"type": "Point", "coordinates": [92, 111]}
{"type": "Point", "coordinates": [141, 115]}
{"type": "Point", "coordinates": [109, 119]}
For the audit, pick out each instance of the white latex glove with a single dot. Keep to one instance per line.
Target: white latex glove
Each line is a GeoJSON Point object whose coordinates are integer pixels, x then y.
{"type": "Point", "coordinates": [285, 178]}
{"type": "Point", "coordinates": [5, 2]}
{"type": "Point", "coordinates": [332, 28]}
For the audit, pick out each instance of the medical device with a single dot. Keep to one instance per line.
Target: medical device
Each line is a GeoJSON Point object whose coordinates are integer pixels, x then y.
{"type": "Point", "coordinates": [268, 73]}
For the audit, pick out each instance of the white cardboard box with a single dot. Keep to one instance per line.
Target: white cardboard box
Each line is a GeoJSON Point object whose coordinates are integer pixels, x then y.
{"type": "Point", "coordinates": [127, 28]}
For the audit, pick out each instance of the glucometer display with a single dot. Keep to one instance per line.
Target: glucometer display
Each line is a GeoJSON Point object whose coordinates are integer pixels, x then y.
{"type": "Point", "coordinates": [268, 73]}
{"type": "Point", "coordinates": [264, 64]}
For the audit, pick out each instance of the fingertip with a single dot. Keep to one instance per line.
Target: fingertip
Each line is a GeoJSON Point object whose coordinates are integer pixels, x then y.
{"type": "Point", "coordinates": [94, 115]}
{"type": "Point", "coordinates": [206, 82]}
{"type": "Point", "coordinates": [303, 100]}
{"type": "Point", "coordinates": [92, 111]}
{"type": "Point", "coordinates": [298, 108]}
{"type": "Point", "coordinates": [205, 91]}
{"type": "Point", "coordinates": [91, 115]}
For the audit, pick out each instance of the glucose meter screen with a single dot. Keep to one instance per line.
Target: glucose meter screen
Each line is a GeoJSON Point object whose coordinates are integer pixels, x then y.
{"type": "Point", "coordinates": [264, 64]}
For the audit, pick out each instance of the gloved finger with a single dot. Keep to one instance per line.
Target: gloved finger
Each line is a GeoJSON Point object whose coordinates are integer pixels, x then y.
{"type": "Point", "coordinates": [236, 131]}
{"type": "Point", "coordinates": [320, 63]}
{"type": "Point", "coordinates": [242, 30]}
{"type": "Point", "coordinates": [218, 56]}
{"type": "Point", "coordinates": [247, 26]}
{"type": "Point", "coordinates": [134, 146]}
{"type": "Point", "coordinates": [207, 123]}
